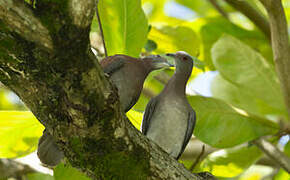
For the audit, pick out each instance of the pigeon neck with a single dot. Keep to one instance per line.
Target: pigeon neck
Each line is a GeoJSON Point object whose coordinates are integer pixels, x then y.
{"type": "Point", "coordinates": [177, 83]}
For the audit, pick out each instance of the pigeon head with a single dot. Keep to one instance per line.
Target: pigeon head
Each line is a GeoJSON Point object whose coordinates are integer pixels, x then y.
{"type": "Point", "coordinates": [183, 62]}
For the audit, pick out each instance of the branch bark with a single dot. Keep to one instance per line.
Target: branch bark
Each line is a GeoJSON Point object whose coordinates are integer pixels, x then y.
{"type": "Point", "coordinates": [22, 21]}
{"type": "Point", "coordinates": [219, 8]}
{"type": "Point", "coordinates": [280, 45]}
{"type": "Point", "coordinates": [67, 91]}
{"type": "Point", "coordinates": [274, 153]}
{"type": "Point", "coordinates": [10, 168]}
{"type": "Point", "coordinates": [255, 16]}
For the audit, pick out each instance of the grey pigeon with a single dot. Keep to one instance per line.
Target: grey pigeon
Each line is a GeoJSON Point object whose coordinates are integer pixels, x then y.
{"type": "Point", "coordinates": [169, 119]}
{"type": "Point", "coordinates": [128, 74]}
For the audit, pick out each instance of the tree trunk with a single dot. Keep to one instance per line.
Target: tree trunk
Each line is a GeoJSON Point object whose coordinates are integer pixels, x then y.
{"type": "Point", "coordinates": [45, 58]}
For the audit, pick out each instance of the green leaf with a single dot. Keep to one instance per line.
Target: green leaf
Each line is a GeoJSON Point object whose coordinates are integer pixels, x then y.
{"type": "Point", "coordinates": [248, 71]}
{"type": "Point", "coordinates": [135, 117]}
{"type": "Point", "coordinates": [230, 162]}
{"type": "Point", "coordinates": [240, 97]}
{"type": "Point", "coordinates": [125, 26]}
{"type": "Point", "coordinates": [216, 27]}
{"type": "Point", "coordinates": [172, 39]}
{"type": "Point", "coordinates": [198, 63]}
{"type": "Point", "coordinates": [66, 171]}
{"type": "Point", "coordinates": [39, 176]}
{"type": "Point", "coordinates": [282, 175]}
{"type": "Point", "coordinates": [287, 149]}
{"type": "Point", "coordinates": [220, 125]}
{"type": "Point", "coordinates": [19, 133]}
{"type": "Point", "coordinates": [150, 46]}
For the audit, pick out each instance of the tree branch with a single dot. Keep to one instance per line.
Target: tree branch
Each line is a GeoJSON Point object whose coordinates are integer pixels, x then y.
{"type": "Point", "coordinates": [274, 153]}
{"type": "Point", "coordinates": [10, 168]}
{"type": "Point", "coordinates": [255, 16]}
{"type": "Point", "coordinates": [19, 17]}
{"type": "Point", "coordinates": [280, 46]}
{"type": "Point", "coordinates": [219, 8]}
{"type": "Point", "coordinates": [81, 12]}
{"type": "Point", "coordinates": [197, 160]}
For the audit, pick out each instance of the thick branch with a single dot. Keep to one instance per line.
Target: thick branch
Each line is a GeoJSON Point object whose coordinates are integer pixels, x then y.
{"type": "Point", "coordinates": [255, 16]}
{"type": "Point", "coordinates": [219, 8]}
{"type": "Point", "coordinates": [81, 12]}
{"type": "Point", "coordinates": [10, 168]}
{"type": "Point", "coordinates": [20, 19]}
{"type": "Point", "coordinates": [280, 45]}
{"type": "Point", "coordinates": [274, 153]}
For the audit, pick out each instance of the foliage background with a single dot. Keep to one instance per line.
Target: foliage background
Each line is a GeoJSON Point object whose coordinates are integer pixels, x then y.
{"type": "Point", "coordinates": [235, 91]}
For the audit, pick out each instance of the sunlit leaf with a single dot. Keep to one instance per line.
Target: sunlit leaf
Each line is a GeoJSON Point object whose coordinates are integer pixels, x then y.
{"type": "Point", "coordinates": [220, 125]}
{"type": "Point", "coordinates": [216, 27]}
{"type": "Point", "coordinates": [230, 162]}
{"type": "Point", "coordinates": [256, 172]}
{"type": "Point", "coordinates": [66, 171]}
{"type": "Point", "coordinates": [39, 176]}
{"type": "Point", "coordinates": [153, 8]}
{"type": "Point", "coordinates": [135, 117]}
{"type": "Point", "coordinates": [125, 26]}
{"type": "Point", "coordinates": [248, 70]}
{"type": "Point", "coordinates": [5, 104]}
{"type": "Point", "coordinates": [19, 133]}
{"type": "Point", "coordinates": [282, 175]}
{"type": "Point", "coordinates": [172, 39]}
{"type": "Point", "coordinates": [240, 97]}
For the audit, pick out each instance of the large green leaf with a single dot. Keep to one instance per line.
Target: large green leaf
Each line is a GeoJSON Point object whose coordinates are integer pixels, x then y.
{"type": "Point", "coordinates": [230, 162]}
{"type": "Point", "coordinates": [282, 175]}
{"type": "Point", "coordinates": [125, 26]}
{"type": "Point", "coordinates": [66, 171]}
{"type": "Point", "coordinates": [248, 71]}
{"type": "Point", "coordinates": [240, 97]}
{"type": "Point", "coordinates": [220, 125]}
{"type": "Point", "coordinates": [39, 176]}
{"type": "Point", "coordinates": [172, 39]}
{"type": "Point", "coordinates": [19, 133]}
{"type": "Point", "coordinates": [135, 117]}
{"type": "Point", "coordinates": [216, 27]}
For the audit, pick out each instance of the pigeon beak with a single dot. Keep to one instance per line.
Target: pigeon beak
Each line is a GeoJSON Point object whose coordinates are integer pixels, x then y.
{"type": "Point", "coordinates": [170, 54]}
{"type": "Point", "coordinates": [170, 65]}
{"type": "Point", "coordinates": [166, 64]}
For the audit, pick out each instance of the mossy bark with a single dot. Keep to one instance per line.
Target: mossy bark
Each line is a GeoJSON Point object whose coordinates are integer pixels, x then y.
{"type": "Point", "coordinates": [61, 82]}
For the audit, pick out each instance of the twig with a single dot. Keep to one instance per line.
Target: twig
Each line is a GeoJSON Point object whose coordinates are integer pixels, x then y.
{"type": "Point", "coordinates": [101, 28]}
{"type": "Point", "coordinates": [254, 15]}
{"type": "Point", "coordinates": [219, 8]}
{"type": "Point", "coordinates": [197, 159]}
{"type": "Point", "coordinates": [280, 45]}
{"type": "Point", "coordinates": [274, 153]}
